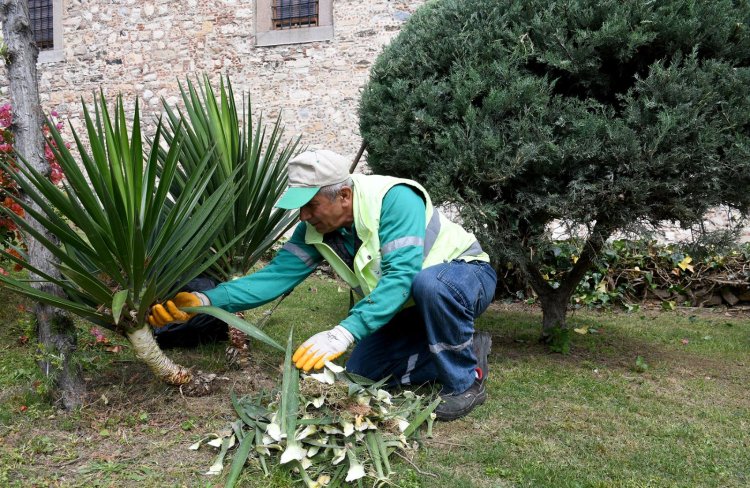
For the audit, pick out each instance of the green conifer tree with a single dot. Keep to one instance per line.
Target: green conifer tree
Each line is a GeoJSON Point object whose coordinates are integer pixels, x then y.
{"type": "Point", "coordinates": [602, 113]}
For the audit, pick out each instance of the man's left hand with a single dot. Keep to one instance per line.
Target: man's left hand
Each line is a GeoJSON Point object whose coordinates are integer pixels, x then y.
{"type": "Point", "coordinates": [323, 346]}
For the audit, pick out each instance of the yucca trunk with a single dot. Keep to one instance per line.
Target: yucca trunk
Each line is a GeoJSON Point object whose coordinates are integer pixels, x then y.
{"type": "Point", "coordinates": [147, 350]}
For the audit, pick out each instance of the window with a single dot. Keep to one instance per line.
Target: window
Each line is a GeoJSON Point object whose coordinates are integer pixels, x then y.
{"type": "Point", "coordinates": [290, 14]}
{"type": "Point", "coordinates": [46, 23]}
{"type": "Point", "coordinates": [40, 15]}
{"type": "Point", "coordinates": [292, 21]}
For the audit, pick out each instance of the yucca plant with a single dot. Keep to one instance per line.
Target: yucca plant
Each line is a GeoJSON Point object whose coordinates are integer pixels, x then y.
{"type": "Point", "coordinates": [241, 149]}
{"type": "Point", "coordinates": [125, 242]}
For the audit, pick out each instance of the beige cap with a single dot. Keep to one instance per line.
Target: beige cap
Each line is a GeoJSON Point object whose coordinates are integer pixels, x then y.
{"type": "Point", "coordinates": [308, 172]}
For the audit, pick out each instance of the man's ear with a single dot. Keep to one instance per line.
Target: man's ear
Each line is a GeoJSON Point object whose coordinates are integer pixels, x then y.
{"type": "Point", "coordinates": [346, 193]}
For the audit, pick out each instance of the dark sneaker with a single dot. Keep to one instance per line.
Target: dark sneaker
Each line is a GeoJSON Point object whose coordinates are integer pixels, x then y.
{"type": "Point", "coordinates": [482, 344]}
{"type": "Point", "coordinates": [456, 405]}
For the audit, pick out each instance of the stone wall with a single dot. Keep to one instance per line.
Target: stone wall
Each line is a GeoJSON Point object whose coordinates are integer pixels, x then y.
{"type": "Point", "coordinates": [143, 48]}
{"type": "Point", "coordinates": [721, 218]}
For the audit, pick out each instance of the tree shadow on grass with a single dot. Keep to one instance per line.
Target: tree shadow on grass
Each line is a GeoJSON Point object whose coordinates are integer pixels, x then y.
{"type": "Point", "coordinates": [605, 343]}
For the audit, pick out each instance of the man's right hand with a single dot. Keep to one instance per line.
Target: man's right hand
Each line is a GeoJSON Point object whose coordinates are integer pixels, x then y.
{"type": "Point", "coordinates": [170, 312]}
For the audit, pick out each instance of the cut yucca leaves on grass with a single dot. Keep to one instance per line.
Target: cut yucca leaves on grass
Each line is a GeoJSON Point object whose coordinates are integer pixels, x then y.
{"type": "Point", "coordinates": [327, 433]}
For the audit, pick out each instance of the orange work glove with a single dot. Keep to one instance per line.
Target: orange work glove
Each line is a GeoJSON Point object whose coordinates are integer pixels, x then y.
{"type": "Point", "coordinates": [323, 346]}
{"type": "Point", "coordinates": [170, 312]}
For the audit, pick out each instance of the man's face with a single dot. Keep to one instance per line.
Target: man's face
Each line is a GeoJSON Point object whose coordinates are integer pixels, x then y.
{"type": "Point", "coordinates": [328, 215]}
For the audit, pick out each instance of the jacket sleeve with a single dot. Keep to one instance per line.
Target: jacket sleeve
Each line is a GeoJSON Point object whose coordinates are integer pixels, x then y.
{"type": "Point", "coordinates": [401, 232]}
{"type": "Point", "coordinates": [294, 262]}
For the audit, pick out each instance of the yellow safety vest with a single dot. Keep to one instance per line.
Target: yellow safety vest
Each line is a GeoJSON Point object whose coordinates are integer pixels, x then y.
{"type": "Point", "coordinates": [444, 240]}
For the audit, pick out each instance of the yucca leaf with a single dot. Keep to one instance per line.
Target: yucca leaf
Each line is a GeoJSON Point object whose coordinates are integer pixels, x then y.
{"type": "Point", "coordinates": [57, 251]}
{"type": "Point", "coordinates": [136, 165]}
{"type": "Point", "coordinates": [118, 301]}
{"type": "Point", "coordinates": [261, 456]}
{"type": "Point", "coordinates": [96, 142]}
{"type": "Point", "coordinates": [87, 281]}
{"type": "Point", "coordinates": [184, 205]}
{"type": "Point", "coordinates": [50, 299]}
{"type": "Point", "coordinates": [138, 265]}
{"type": "Point", "coordinates": [240, 411]}
{"type": "Point", "coordinates": [375, 454]}
{"type": "Point", "coordinates": [160, 175]}
{"type": "Point", "coordinates": [289, 405]}
{"type": "Point", "coordinates": [383, 453]}
{"type": "Point", "coordinates": [239, 458]}
{"type": "Point", "coordinates": [233, 321]}
{"type": "Point", "coordinates": [217, 467]}
{"type": "Point", "coordinates": [104, 150]}
{"type": "Point", "coordinates": [421, 417]}
{"type": "Point", "coordinates": [54, 224]}
{"type": "Point", "coordinates": [23, 261]}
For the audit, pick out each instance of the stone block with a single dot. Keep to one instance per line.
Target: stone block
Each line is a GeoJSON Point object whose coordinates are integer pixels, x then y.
{"type": "Point", "coordinates": [729, 296]}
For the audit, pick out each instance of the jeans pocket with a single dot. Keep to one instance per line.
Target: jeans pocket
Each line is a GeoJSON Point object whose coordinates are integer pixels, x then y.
{"type": "Point", "coordinates": [453, 277]}
{"type": "Point", "coordinates": [471, 283]}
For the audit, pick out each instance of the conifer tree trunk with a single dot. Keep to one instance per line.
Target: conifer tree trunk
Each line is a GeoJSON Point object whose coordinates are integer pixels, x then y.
{"type": "Point", "coordinates": [554, 310]}
{"type": "Point", "coordinates": [55, 330]}
{"type": "Point", "coordinates": [554, 301]}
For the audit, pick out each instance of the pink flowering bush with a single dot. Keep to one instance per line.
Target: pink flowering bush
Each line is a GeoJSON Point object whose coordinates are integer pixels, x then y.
{"type": "Point", "coordinates": [9, 233]}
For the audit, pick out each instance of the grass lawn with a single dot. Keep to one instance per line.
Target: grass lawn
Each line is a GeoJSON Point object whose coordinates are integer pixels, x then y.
{"type": "Point", "coordinates": [644, 399]}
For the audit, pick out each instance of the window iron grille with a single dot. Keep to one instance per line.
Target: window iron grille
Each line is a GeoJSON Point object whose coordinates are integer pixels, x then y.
{"type": "Point", "coordinates": [291, 14]}
{"type": "Point", "coordinates": [40, 15]}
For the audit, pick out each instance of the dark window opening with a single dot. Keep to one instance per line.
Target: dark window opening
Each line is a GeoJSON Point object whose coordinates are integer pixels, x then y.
{"type": "Point", "coordinates": [290, 14]}
{"type": "Point", "coordinates": [40, 15]}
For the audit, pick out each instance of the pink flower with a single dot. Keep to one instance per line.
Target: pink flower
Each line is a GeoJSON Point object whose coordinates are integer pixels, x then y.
{"type": "Point", "coordinates": [6, 116]}
{"type": "Point", "coordinates": [99, 338]}
{"type": "Point", "coordinates": [55, 174]}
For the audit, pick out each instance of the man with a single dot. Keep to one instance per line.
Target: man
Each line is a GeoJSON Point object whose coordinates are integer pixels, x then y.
{"type": "Point", "coordinates": [423, 280]}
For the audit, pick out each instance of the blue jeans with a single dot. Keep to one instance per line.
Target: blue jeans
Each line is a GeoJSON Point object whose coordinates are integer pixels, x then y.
{"type": "Point", "coordinates": [432, 340]}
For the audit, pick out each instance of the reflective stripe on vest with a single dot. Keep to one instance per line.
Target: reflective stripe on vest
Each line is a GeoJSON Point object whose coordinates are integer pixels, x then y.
{"type": "Point", "coordinates": [402, 242]}
{"type": "Point", "coordinates": [431, 232]}
{"type": "Point", "coordinates": [309, 261]}
{"type": "Point", "coordinates": [474, 250]}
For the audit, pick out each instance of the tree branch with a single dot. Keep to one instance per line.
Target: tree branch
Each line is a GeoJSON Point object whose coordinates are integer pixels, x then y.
{"type": "Point", "coordinates": [529, 269]}
{"type": "Point", "coordinates": [591, 248]}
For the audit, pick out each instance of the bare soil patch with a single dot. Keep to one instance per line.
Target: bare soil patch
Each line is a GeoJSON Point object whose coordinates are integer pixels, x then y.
{"type": "Point", "coordinates": [132, 423]}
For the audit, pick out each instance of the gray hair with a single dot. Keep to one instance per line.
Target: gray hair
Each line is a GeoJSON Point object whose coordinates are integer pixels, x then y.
{"type": "Point", "coordinates": [331, 191]}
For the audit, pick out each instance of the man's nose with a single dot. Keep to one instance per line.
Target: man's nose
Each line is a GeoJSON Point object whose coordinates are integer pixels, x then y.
{"type": "Point", "coordinates": [304, 214]}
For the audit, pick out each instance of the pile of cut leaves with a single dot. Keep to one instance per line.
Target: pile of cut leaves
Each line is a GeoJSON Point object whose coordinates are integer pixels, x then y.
{"type": "Point", "coordinates": [329, 428]}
